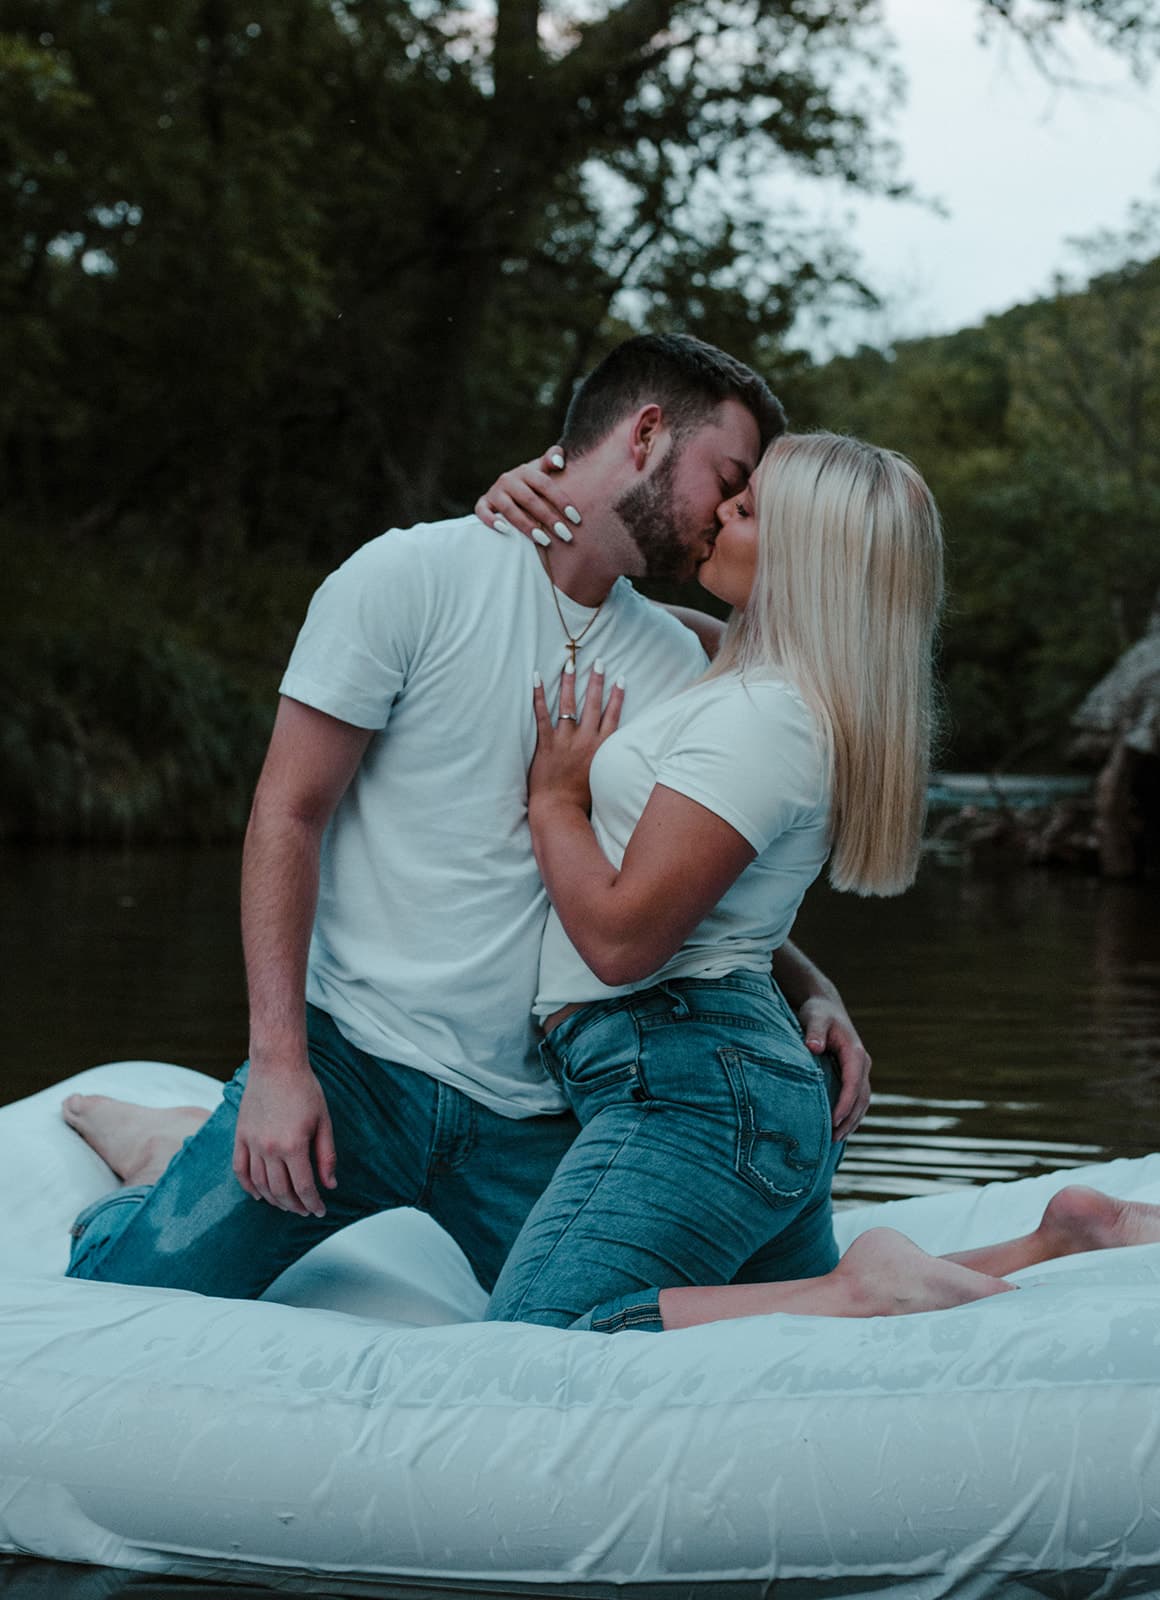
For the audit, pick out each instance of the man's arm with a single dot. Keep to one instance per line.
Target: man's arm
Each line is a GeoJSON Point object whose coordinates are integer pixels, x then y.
{"type": "Point", "coordinates": [828, 1027]}
{"type": "Point", "coordinates": [283, 1121]}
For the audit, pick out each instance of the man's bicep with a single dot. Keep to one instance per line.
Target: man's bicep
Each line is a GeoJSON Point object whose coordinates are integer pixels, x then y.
{"type": "Point", "coordinates": [310, 762]}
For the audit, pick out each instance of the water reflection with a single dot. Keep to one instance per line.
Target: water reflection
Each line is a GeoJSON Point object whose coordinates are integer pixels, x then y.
{"type": "Point", "coordinates": [112, 956]}
{"type": "Point", "coordinates": [1014, 1017]}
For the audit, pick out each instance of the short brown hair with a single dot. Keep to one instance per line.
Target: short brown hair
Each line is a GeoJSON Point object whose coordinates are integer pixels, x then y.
{"type": "Point", "coordinates": [687, 378]}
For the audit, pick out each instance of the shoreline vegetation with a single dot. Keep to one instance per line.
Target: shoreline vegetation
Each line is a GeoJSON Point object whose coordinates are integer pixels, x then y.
{"type": "Point", "coordinates": [136, 700]}
{"type": "Point", "coordinates": [136, 703]}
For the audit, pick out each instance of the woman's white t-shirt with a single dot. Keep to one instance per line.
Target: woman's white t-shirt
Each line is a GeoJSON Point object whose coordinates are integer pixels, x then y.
{"type": "Point", "coordinates": [749, 750]}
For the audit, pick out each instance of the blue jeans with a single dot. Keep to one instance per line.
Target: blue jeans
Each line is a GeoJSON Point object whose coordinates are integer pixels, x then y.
{"type": "Point", "coordinates": [402, 1139]}
{"type": "Point", "coordinates": [705, 1156]}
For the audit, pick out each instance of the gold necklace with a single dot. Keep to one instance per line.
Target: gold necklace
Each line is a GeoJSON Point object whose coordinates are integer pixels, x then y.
{"type": "Point", "coordinates": [573, 638]}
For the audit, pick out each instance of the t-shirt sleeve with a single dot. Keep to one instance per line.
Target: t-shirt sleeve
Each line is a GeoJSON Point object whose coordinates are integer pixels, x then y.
{"type": "Point", "coordinates": [753, 757]}
{"type": "Point", "coordinates": [361, 633]}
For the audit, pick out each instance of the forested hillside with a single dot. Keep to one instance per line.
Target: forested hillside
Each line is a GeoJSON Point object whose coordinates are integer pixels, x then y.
{"type": "Point", "coordinates": [1040, 434]}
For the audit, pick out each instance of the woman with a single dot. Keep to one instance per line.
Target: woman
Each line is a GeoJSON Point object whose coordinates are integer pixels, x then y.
{"type": "Point", "coordinates": [705, 1155]}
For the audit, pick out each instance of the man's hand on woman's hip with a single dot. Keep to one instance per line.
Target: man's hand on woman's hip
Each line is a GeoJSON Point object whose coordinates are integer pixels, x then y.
{"type": "Point", "coordinates": [828, 1029]}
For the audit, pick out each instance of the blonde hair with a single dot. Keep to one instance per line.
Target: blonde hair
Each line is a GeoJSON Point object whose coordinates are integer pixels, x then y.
{"type": "Point", "coordinates": [845, 604]}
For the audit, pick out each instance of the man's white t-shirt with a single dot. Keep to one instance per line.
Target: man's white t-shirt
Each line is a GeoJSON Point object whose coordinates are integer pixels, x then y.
{"type": "Point", "coordinates": [750, 751]}
{"type": "Point", "coordinates": [426, 940]}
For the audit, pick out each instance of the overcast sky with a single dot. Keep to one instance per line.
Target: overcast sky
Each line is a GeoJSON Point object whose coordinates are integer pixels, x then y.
{"type": "Point", "coordinates": [1021, 165]}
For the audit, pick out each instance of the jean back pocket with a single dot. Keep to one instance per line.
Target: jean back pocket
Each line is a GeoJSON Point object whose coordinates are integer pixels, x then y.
{"type": "Point", "coordinates": [783, 1123]}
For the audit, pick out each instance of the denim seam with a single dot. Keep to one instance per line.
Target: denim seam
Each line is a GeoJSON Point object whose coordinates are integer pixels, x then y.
{"type": "Point", "coordinates": [597, 1010]}
{"type": "Point", "coordinates": [642, 1313]}
{"type": "Point", "coordinates": [752, 1024]}
{"type": "Point", "coordinates": [434, 1145]}
{"type": "Point", "coordinates": [610, 1077]}
{"type": "Point", "coordinates": [469, 1139]}
{"type": "Point", "coordinates": [748, 1132]}
{"type": "Point", "coordinates": [575, 1217]}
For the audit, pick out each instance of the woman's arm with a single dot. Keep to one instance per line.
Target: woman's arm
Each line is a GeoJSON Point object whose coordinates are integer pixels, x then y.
{"type": "Point", "coordinates": [680, 859]}
{"type": "Point", "coordinates": [526, 500]}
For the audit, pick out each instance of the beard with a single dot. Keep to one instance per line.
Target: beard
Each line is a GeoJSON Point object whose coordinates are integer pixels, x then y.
{"type": "Point", "coordinates": [649, 512]}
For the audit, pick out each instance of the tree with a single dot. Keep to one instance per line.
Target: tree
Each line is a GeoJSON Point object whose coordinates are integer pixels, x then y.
{"type": "Point", "coordinates": [277, 273]}
{"type": "Point", "coordinates": [1038, 433]}
{"type": "Point", "coordinates": [1087, 398]}
{"type": "Point", "coordinates": [275, 263]}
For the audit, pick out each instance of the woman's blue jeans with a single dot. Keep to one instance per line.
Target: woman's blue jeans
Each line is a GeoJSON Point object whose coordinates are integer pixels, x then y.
{"type": "Point", "coordinates": [705, 1156]}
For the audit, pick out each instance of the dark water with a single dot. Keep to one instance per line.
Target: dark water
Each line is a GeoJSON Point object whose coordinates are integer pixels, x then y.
{"type": "Point", "coordinates": [1014, 1019]}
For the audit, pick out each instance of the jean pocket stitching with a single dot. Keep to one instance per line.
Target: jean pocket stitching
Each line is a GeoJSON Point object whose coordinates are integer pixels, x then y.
{"type": "Point", "coordinates": [750, 1137]}
{"type": "Point", "coordinates": [577, 1079]}
{"type": "Point", "coordinates": [574, 1028]}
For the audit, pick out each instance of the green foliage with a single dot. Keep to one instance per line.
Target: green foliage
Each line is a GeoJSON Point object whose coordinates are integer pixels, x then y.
{"type": "Point", "coordinates": [134, 704]}
{"type": "Point", "coordinates": [1039, 436]}
{"type": "Point", "coordinates": [122, 738]}
{"type": "Point", "coordinates": [259, 260]}
{"type": "Point", "coordinates": [274, 277]}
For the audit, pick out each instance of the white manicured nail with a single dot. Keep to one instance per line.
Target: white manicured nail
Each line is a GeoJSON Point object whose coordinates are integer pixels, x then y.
{"type": "Point", "coordinates": [562, 531]}
{"type": "Point", "coordinates": [569, 668]}
{"type": "Point", "coordinates": [619, 684]}
{"type": "Point", "coordinates": [571, 513]}
{"type": "Point", "coordinates": [502, 525]}
{"type": "Point", "coordinates": [537, 681]}
{"type": "Point", "coordinates": [540, 536]}
{"type": "Point", "coordinates": [598, 666]}
{"type": "Point", "coordinates": [556, 459]}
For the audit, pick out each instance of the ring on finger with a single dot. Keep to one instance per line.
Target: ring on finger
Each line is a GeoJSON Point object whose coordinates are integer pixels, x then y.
{"type": "Point", "coordinates": [567, 716]}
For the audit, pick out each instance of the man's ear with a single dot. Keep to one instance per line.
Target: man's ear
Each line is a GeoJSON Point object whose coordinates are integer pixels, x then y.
{"type": "Point", "coordinates": [647, 435]}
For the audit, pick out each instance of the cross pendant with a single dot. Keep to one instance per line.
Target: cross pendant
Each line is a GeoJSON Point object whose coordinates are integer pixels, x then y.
{"type": "Point", "coordinates": [571, 649]}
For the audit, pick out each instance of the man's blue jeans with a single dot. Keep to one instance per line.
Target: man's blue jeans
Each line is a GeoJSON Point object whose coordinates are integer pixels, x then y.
{"type": "Point", "coordinates": [705, 1156]}
{"type": "Point", "coordinates": [402, 1139]}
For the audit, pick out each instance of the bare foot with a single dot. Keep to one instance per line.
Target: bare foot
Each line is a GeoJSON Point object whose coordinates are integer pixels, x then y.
{"type": "Point", "coordinates": [889, 1276]}
{"type": "Point", "coordinates": [138, 1142]}
{"type": "Point", "coordinates": [1079, 1219]}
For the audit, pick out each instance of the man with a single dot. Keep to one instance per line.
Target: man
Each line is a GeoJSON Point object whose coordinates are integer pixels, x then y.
{"type": "Point", "coordinates": [388, 874]}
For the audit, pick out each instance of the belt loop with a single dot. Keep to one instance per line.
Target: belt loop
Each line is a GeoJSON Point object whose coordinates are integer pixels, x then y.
{"type": "Point", "coordinates": [679, 1003]}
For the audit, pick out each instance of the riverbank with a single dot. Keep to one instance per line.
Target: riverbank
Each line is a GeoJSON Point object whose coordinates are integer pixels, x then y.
{"type": "Point", "coordinates": [136, 697]}
{"type": "Point", "coordinates": [1029, 819]}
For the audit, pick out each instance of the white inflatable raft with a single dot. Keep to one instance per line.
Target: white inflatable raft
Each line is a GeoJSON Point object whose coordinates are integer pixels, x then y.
{"type": "Point", "coordinates": [359, 1432]}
